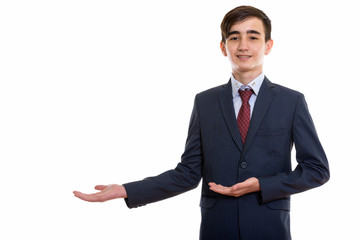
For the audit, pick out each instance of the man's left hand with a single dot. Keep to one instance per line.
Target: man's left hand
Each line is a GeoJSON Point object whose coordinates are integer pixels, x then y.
{"type": "Point", "coordinates": [248, 186]}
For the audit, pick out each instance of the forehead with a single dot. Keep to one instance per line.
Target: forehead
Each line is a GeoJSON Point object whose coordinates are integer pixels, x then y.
{"type": "Point", "coordinates": [247, 25]}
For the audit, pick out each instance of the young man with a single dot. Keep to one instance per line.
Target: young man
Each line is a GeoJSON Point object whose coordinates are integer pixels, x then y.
{"type": "Point", "coordinates": [239, 142]}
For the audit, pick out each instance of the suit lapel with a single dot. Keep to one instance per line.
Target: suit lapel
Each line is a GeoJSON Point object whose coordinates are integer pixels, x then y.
{"type": "Point", "coordinates": [263, 101]}
{"type": "Point", "coordinates": [227, 108]}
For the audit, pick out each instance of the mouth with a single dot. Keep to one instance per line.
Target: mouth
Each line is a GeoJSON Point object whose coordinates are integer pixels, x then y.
{"type": "Point", "coordinates": [243, 57]}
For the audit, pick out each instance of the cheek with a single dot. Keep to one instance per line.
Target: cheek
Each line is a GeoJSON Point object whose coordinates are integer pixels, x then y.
{"type": "Point", "coordinates": [259, 52]}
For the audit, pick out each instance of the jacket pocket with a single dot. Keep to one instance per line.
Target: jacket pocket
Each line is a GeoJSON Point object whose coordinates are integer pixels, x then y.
{"type": "Point", "coordinates": [282, 204]}
{"type": "Point", "coordinates": [206, 202]}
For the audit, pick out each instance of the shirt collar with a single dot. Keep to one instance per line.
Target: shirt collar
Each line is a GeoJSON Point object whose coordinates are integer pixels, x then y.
{"type": "Point", "coordinates": [254, 84]}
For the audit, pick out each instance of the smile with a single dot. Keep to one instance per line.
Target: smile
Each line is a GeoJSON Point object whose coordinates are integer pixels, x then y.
{"type": "Point", "coordinates": [243, 57]}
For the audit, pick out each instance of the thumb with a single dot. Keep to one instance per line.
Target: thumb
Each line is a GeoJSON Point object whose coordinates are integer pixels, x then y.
{"type": "Point", "coordinates": [100, 187]}
{"type": "Point", "coordinates": [238, 186]}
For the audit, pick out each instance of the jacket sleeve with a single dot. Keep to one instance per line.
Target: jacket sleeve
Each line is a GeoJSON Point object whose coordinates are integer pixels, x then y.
{"type": "Point", "coordinates": [184, 177]}
{"type": "Point", "coordinates": [312, 169]}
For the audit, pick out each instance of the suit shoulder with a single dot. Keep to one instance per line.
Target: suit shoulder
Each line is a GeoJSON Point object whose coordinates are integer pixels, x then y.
{"type": "Point", "coordinates": [211, 92]}
{"type": "Point", "coordinates": [287, 91]}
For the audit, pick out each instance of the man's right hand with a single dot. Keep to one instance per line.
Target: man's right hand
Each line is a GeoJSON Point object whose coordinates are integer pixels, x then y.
{"type": "Point", "coordinates": [107, 192]}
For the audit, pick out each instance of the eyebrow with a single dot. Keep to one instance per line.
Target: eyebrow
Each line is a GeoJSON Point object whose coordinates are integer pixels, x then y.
{"type": "Point", "coordinates": [247, 32]}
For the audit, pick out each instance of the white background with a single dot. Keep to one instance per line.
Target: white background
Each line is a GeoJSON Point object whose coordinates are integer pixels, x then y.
{"type": "Point", "coordinates": [99, 92]}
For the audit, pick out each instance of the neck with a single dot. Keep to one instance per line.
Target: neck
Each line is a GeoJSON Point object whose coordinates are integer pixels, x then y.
{"type": "Point", "coordinates": [246, 77]}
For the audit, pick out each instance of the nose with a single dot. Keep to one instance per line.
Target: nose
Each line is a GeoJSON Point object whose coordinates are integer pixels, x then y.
{"type": "Point", "coordinates": [243, 44]}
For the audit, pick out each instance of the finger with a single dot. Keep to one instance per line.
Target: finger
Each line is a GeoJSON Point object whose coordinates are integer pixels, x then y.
{"type": "Point", "coordinates": [75, 193]}
{"type": "Point", "coordinates": [214, 185]}
{"type": "Point", "coordinates": [100, 187]}
{"type": "Point", "coordinates": [220, 189]}
{"type": "Point", "coordinates": [95, 197]}
{"type": "Point", "coordinates": [82, 196]}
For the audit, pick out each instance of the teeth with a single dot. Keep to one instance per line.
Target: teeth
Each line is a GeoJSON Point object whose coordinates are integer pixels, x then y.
{"type": "Point", "coordinates": [243, 56]}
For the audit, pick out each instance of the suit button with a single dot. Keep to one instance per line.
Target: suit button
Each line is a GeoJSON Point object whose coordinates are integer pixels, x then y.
{"type": "Point", "coordinates": [243, 165]}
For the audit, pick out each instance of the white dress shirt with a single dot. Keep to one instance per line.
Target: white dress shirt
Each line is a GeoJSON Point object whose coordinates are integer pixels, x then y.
{"type": "Point", "coordinates": [255, 86]}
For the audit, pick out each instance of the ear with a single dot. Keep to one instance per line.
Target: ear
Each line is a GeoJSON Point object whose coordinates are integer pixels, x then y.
{"type": "Point", "coordinates": [223, 48]}
{"type": "Point", "coordinates": [269, 44]}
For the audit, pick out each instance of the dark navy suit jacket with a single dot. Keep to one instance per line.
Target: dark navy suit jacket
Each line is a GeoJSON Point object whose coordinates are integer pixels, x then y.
{"type": "Point", "coordinates": [214, 152]}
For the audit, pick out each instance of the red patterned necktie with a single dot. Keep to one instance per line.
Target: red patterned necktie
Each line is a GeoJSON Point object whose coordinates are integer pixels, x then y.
{"type": "Point", "coordinates": [243, 119]}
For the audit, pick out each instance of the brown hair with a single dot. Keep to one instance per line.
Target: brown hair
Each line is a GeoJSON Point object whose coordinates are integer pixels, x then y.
{"type": "Point", "coordinates": [240, 14]}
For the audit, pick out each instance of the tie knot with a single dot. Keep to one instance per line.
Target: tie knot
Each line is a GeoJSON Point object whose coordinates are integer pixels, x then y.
{"type": "Point", "coordinates": [245, 94]}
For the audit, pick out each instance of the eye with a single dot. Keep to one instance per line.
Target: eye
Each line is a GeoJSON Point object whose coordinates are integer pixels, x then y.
{"type": "Point", "coordinates": [253, 38]}
{"type": "Point", "coordinates": [234, 38]}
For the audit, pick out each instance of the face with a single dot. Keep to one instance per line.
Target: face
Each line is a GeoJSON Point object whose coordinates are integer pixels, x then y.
{"type": "Point", "coordinates": [245, 48]}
